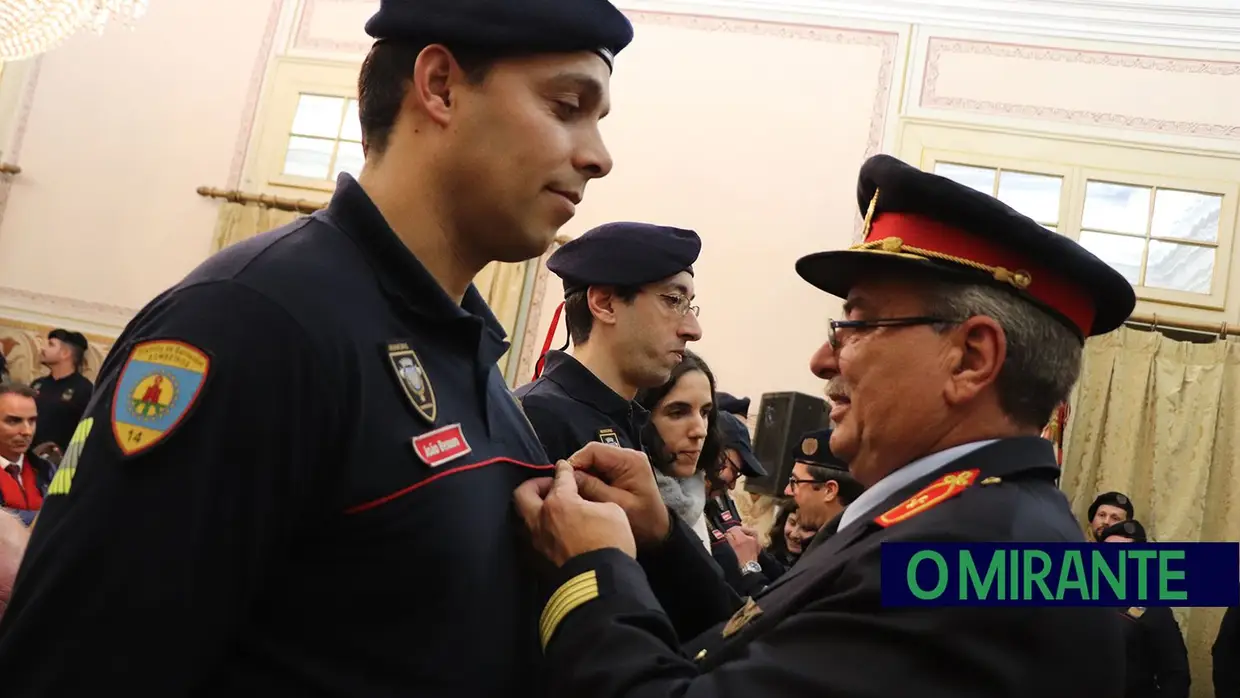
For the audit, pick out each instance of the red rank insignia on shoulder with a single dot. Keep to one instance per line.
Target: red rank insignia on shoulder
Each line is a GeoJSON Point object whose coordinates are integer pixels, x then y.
{"type": "Point", "coordinates": [940, 490]}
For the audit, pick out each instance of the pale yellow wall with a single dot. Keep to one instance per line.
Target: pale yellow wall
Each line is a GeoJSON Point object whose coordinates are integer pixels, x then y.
{"type": "Point", "coordinates": [750, 132]}
{"type": "Point", "coordinates": [114, 134]}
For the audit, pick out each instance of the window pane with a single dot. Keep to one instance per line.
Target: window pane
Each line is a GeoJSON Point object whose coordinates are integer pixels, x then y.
{"type": "Point", "coordinates": [308, 157]}
{"type": "Point", "coordinates": [352, 130]}
{"type": "Point", "coordinates": [1180, 267]}
{"type": "Point", "coordinates": [1186, 214]}
{"type": "Point", "coordinates": [1116, 207]}
{"type": "Point", "coordinates": [979, 178]}
{"type": "Point", "coordinates": [348, 159]}
{"type": "Point", "coordinates": [1121, 252]}
{"type": "Point", "coordinates": [318, 116]}
{"type": "Point", "coordinates": [1036, 196]}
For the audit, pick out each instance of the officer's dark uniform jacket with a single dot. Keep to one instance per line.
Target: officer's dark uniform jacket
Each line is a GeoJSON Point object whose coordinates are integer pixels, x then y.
{"type": "Point", "coordinates": [297, 532]}
{"type": "Point", "coordinates": [821, 629]}
{"type": "Point", "coordinates": [1157, 658]}
{"type": "Point", "coordinates": [569, 407]}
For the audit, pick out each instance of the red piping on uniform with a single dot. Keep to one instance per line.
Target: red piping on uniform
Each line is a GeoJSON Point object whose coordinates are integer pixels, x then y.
{"type": "Point", "coordinates": [555, 320]}
{"type": "Point", "coordinates": [439, 476]}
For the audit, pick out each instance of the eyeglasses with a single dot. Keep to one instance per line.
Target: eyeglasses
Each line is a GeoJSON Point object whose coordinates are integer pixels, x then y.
{"type": "Point", "coordinates": [834, 326]}
{"type": "Point", "coordinates": [680, 304]}
{"type": "Point", "coordinates": [793, 482]}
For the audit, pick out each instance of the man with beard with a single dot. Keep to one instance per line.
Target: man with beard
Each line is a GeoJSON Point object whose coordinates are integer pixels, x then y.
{"type": "Point", "coordinates": [1108, 509]}
{"type": "Point", "coordinates": [964, 326]}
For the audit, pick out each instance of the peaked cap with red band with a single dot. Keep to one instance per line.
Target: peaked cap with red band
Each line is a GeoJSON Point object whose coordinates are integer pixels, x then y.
{"type": "Point", "coordinates": [920, 220]}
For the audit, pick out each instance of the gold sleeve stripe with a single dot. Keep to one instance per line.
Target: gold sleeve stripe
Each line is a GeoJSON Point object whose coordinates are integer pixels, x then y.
{"type": "Point", "coordinates": [573, 593]}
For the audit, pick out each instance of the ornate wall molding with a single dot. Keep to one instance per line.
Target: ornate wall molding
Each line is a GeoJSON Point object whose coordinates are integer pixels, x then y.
{"type": "Point", "coordinates": [304, 40]}
{"type": "Point", "coordinates": [19, 133]}
{"type": "Point", "coordinates": [885, 41]}
{"type": "Point", "coordinates": [45, 309]}
{"type": "Point", "coordinates": [1186, 23]}
{"type": "Point", "coordinates": [253, 93]}
{"type": "Point", "coordinates": [939, 47]}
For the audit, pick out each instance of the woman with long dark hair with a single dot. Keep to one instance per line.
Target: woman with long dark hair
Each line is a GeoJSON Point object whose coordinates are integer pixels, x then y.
{"type": "Point", "coordinates": [682, 439]}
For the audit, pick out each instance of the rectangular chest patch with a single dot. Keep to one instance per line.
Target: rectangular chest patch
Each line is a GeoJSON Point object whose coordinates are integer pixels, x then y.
{"type": "Point", "coordinates": [608, 436]}
{"type": "Point", "coordinates": [441, 445]}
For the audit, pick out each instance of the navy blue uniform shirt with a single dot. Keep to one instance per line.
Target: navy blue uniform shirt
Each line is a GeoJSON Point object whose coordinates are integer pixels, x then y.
{"type": "Point", "coordinates": [295, 479]}
{"type": "Point", "coordinates": [61, 402]}
{"type": "Point", "coordinates": [569, 407]}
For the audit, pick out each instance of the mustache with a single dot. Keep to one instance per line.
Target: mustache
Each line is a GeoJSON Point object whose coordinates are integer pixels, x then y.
{"type": "Point", "coordinates": [838, 386]}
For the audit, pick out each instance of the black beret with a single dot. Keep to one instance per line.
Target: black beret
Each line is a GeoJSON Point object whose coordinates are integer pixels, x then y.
{"type": "Point", "coordinates": [730, 403]}
{"type": "Point", "coordinates": [815, 449]}
{"type": "Point", "coordinates": [77, 339]}
{"type": "Point", "coordinates": [918, 219]}
{"type": "Point", "coordinates": [624, 254]}
{"type": "Point", "coordinates": [1127, 529]}
{"type": "Point", "coordinates": [1115, 499]}
{"type": "Point", "coordinates": [735, 435]}
{"type": "Point", "coordinates": [516, 26]}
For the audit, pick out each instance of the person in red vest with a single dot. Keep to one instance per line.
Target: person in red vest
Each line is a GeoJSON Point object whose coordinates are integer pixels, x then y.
{"type": "Point", "coordinates": [24, 477]}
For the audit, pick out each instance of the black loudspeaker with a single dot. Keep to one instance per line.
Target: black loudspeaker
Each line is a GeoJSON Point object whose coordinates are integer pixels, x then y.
{"type": "Point", "coordinates": [782, 419]}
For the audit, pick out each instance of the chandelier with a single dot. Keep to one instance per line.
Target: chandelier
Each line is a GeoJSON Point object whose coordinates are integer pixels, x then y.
{"type": "Point", "coordinates": [31, 27]}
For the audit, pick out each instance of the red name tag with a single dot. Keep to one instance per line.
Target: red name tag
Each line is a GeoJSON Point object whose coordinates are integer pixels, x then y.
{"type": "Point", "coordinates": [441, 445]}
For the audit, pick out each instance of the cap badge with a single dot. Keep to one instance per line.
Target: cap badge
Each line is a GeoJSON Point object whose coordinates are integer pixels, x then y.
{"type": "Point", "coordinates": [809, 446]}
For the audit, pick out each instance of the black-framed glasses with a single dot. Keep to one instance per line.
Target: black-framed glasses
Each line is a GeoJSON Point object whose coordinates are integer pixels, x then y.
{"type": "Point", "coordinates": [793, 482]}
{"type": "Point", "coordinates": [835, 325]}
{"type": "Point", "coordinates": [681, 304]}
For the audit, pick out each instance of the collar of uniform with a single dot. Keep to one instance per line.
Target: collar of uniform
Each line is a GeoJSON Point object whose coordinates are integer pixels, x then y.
{"type": "Point", "coordinates": [995, 458]}
{"type": "Point", "coordinates": [398, 270]}
{"type": "Point", "coordinates": [581, 383]}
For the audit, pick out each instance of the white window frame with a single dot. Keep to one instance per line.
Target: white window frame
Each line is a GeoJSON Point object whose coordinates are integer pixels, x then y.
{"type": "Point", "coordinates": [289, 79]}
{"type": "Point", "coordinates": [1079, 160]}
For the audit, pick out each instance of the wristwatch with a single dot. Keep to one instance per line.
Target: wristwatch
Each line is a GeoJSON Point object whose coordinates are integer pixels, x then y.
{"type": "Point", "coordinates": [751, 567]}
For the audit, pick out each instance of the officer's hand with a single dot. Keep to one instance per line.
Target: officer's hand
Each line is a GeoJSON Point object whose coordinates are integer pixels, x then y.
{"type": "Point", "coordinates": [13, 538]}
{"type": "Point", "coordinates": [744, 543]}
{"type": "Point", "coordinates": [623, 476]}
{"type": "Point", "coordinates": [563, 525]}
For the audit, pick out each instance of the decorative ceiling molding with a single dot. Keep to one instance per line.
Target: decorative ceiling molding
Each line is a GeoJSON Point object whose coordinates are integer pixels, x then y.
{"type": "Point", "coordinates": [59, 311]}
{"type": "Point", "coordinates": [1189, 23]}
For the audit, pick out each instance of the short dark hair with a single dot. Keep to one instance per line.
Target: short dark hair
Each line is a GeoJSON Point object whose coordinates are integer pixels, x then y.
{"type": "Point", "coordinates": [17, 389]}
{"type": "Point", "coordinates": [384, 81]}
{"type": "Point", "coordinates": [850, 489]}
{"type": "Point", "coordinates": [577, 315]}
